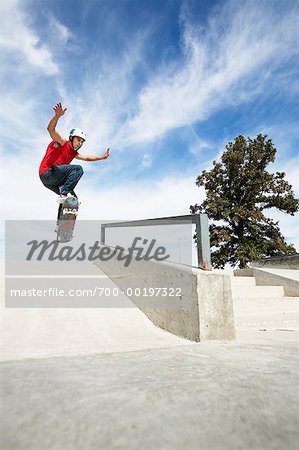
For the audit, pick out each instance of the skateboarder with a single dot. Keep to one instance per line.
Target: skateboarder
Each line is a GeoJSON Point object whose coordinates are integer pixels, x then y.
{"type": "Point", "coordinates": [55, 171]}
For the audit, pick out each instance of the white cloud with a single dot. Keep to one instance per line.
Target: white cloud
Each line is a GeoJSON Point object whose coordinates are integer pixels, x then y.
{"type": "Point", "coordinates": [59, 30]}
{"type": "Point", "coordinates": [17, 37]}
{"type": "Point", "coordinates": [13, 127]}
{"type": "Point", "coordinates": [146, 160]}
{"type": "Point", "coordinates": [197, 144]}
{"type": "Point", "coordinates": [219, 67]}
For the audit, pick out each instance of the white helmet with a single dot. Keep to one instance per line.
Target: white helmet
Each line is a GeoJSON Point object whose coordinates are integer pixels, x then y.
{"type": "Point", "coordinates": [77, 132]}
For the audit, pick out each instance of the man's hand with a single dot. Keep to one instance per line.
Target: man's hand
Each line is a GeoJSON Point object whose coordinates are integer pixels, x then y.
{"type": "Point", "coordinates": [106, 154]}
{"type": "Point", "coordinates": [59, 110]}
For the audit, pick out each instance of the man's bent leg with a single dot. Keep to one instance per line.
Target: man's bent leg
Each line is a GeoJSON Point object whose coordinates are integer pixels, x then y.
{"type": "Point", "coordinates": [69, 175]}
{"type": "Point", "coordinates": [50, 180]}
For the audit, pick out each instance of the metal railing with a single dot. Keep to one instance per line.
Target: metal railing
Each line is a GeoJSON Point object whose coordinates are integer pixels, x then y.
{"type": "Point", "coordinates": [201, 231]}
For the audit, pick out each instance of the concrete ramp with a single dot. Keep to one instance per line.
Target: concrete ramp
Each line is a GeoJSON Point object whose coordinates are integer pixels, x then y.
{"type": "Point", "coordinates": [42, 333]}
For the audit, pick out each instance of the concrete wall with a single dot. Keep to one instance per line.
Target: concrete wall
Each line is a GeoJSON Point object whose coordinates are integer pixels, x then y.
{"type": "Point", "coordinates": [278, 262]}
{"type": "Point", "coordinates": [203, 310]}
{"type": "Point", "coordinates": [265, 278]}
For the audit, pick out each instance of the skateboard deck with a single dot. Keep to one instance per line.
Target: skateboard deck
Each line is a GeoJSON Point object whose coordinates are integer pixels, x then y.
{"type": "Point", "coordinates": [67, 214]}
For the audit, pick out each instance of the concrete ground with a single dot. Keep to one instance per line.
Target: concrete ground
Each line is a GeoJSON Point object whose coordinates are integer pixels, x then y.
{"type": "Point", "coordinates": [109, 379]}
{"type": "Point", "coordinates": [207, 396]}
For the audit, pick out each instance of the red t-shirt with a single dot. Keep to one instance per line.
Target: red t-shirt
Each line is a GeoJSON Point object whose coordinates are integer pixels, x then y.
{"type": "Point", "coordinates": [56, 156]}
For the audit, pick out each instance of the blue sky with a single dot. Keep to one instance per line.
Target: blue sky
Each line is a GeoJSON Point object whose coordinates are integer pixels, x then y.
{"type": "Point", "coordinates": [165, 84]}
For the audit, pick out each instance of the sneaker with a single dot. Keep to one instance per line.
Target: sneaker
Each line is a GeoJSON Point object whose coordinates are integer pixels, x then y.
{"type": "Point", "coordinates": [62, 197]}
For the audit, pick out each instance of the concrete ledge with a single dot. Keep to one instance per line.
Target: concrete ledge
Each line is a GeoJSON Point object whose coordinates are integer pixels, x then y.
{"type": "Point", "coordinates": [278, 262]}
{"type": "Point", "coordinates": [266, 278]}
{"type": "Point", "coordinates": [201, 307]}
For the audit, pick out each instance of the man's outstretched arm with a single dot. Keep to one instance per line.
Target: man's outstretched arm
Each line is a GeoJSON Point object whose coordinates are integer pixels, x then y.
{"type": "Point", "coordinates": [59, 111]}
{"type": "Point", "coordinates": [93, 158]}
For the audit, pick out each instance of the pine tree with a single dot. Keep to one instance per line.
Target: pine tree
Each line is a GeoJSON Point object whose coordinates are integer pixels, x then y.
{"type": "Point", "coordinates": [238, 191]}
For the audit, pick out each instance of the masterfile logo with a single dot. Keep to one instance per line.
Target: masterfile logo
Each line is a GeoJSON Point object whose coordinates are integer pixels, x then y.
{"type": "Point", "coordinates": [54, 251]}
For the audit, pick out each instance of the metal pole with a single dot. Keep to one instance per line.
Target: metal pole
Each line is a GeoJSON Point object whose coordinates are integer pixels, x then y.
{"type": "Point", "coordinates": [202, 233]}
{"type": "Point", "coordinates": [103, 234]}
{"type": "Point", "coordinates": [203, 242]}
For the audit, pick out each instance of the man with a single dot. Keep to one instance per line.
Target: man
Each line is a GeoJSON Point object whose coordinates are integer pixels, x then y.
{"type": "Point", "coordinates": [55, 171]}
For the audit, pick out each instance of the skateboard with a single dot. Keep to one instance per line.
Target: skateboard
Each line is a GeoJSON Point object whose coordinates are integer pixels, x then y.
{"type": "Point", "coordinates": [67, 214]}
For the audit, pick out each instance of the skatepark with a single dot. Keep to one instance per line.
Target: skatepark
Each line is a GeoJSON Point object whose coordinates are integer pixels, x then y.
{"type": "Point", "coordinates": [111, 378]}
